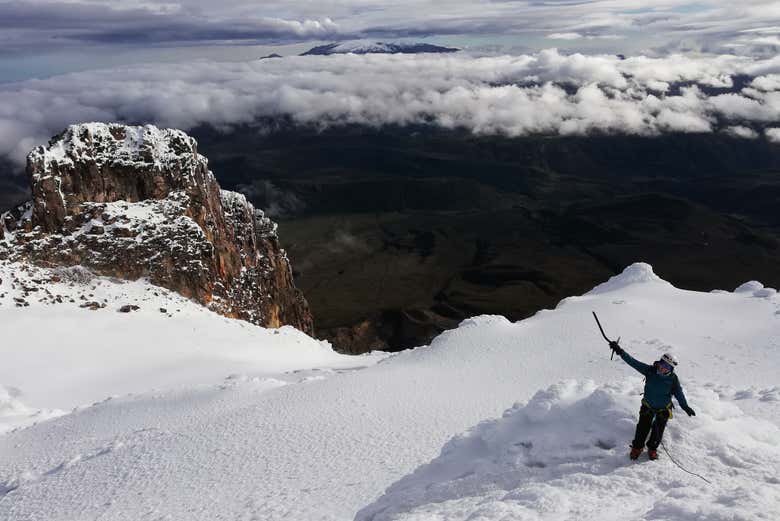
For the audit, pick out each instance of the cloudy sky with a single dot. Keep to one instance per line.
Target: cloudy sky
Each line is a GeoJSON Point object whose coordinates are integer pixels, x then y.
{"type": "Point", "coordinates": [538, 66]}
{"type": "Point", "coordinates": [43, 37]}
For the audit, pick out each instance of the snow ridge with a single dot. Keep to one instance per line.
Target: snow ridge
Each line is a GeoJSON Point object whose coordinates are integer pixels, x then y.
{"type": "Point", "coordinates": [756, 289]}
{"type": "Point", "coordinates": [328, 443]}
{"type": "Point", "coordinates": [562, 456]}
{"type": "Point", "coordinates": [637, 273]}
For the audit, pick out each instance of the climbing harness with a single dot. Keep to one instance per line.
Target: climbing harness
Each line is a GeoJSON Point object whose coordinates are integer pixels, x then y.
{"type": "Point", "coordinates": [667, 409]}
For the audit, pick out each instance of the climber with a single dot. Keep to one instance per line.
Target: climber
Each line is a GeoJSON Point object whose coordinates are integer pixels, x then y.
{"type": "Point", "coordinates": [661, 383]}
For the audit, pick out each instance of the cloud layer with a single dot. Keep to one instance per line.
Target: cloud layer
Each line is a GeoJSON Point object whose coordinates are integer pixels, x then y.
{"type": "Point", "coordinates": [547, 92]}
{"type": "Point", "coordinates": [28, 25]}
{"type": "Point", "coordinates": [747, 26]}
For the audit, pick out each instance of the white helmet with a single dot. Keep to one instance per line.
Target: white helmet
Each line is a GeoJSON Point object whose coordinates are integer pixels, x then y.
{"type": "Point", "coordinates": [669, 359]}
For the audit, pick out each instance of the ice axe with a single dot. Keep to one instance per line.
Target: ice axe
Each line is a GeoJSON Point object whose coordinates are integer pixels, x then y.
{"type": "Point", "coordinates": [604, 335]}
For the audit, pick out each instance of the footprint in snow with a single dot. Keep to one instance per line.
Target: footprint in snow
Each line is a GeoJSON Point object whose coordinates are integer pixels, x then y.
{"type": "Point", "coordinates": [606, 444]}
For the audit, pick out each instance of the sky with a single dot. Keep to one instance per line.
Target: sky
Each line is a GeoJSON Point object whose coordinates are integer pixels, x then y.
{"type": "Point", "coordinates": [39, 38]}
{"type": "Point", "coordinates": [560, 67]}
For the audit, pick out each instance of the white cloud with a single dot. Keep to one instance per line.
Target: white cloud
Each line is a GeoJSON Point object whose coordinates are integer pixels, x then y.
{"type": "Point", "coordinates": [564, 36]}
{"type": "Point", "coordinates": [743, 132]}
{"type": "Point", "coordinates": [773, 40]}
{"type": "Point", "coordinates": [306, 28]}
{"type": "Point", "coordinates": [705, 24]}
{"type": "Point", "coordinates": [773, 134]}
{"type": "Point", "coordinates": [739, 107]}
{"type": "Point", "coordinates": [578, 36]}
{"type": "Point", "coordinates": [767, 83]}
{"type": "Point", "coordinates": [547, 92]}
{"type": "Point", "coordinates": [763, 30]}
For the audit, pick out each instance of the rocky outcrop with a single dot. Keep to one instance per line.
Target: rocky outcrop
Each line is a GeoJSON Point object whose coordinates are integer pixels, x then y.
{"type": "Point", "coordinates": [134, 202]}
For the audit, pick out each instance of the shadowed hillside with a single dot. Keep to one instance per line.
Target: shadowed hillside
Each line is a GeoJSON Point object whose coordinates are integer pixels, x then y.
{"type": "Point", "coordinates": [399, 233]}
{"type": "Point", "coordinates": [396, 234]}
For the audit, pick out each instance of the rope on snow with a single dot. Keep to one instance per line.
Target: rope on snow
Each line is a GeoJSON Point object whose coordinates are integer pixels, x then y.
{"type": "Point", "coordinates": [683, 468]}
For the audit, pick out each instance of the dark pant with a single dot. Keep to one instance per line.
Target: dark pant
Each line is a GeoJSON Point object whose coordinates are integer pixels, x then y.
{"type": "Point", "coordinates": [652, 421]}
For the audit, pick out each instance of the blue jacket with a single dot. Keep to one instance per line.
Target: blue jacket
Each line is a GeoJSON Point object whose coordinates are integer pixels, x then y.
{"type": "Point", "coordinates": [658, 387]}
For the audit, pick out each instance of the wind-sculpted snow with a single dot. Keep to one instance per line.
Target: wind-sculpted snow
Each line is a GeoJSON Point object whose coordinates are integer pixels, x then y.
{"type": "Point", "coordinates": [638, 273]}
{"type": "Point", "coordinates": [543, 93]}
{"type": "Point", "coordinates": [329, 443]}
{"type": "Point", "coordinates": [562, 455]}
{"type": "Point", "coordinates": [15, 414]}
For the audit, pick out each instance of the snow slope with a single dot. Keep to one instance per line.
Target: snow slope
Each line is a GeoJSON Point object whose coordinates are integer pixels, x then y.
{"type": "Point", "coordinates": [562, 456]}
{"type": "Point", "coordinates": [58, 352]}
{"type": "Point", "coordinates": [330, 443]}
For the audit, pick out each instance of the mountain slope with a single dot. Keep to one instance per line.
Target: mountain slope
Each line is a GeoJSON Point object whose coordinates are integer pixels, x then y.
{"type": "Point", "coordinates": [65, 342]}
{"type": "Point", "coordinates": [459, 225]}
{"type": "Point", "coordinates": [563, 456]}
{"type": "Point", "coordinates": [326, 448]}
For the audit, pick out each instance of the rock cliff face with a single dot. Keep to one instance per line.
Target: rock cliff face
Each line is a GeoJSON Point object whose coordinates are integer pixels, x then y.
{"type": "Point", "coordinates": [134, 202]}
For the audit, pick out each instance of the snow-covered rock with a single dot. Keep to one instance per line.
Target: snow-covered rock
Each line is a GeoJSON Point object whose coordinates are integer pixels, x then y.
{"type": "Point", "coordinates": [134, 202]}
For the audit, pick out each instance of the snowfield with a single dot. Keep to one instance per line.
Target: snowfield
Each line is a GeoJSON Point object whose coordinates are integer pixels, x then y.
{"type": "Point", "coordinates": [562, 456]}
{"type": "Point", "coordinates": [494, 420]}
{"type": "Point", "coordinates": [65, 344]}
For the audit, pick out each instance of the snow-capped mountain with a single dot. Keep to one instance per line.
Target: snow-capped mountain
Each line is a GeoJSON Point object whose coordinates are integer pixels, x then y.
{"type": "Point", "coordinates": [371, 47]}
{"type": "Point", "coordinates": [525, 420]}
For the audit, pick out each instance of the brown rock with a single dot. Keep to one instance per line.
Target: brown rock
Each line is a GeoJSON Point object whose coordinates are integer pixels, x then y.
{"type": "Point", "coordinates": [94, 306]}
{"type": "Point", "coordinates": [132, 202]}
{"type": "Point", "coordinates": [96, 230]}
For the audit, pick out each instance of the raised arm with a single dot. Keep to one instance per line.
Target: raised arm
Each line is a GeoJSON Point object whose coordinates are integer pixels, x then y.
{"type": "Point", "coordinates": [636, 364]}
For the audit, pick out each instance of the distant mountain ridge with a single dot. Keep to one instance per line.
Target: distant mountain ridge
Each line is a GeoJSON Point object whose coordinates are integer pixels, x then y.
{"type": "Point", "coordinates": [369, 47]}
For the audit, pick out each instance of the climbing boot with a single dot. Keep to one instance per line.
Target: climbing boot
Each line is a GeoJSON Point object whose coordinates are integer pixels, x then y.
{"type": "Point", "coordinates": [652, 454]}
{"type": "Point", "coordinates": [635, 452]}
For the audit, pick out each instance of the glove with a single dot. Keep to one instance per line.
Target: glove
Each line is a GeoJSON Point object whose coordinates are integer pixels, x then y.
{"type": "Point", "coordinates": [689, 411]}
{"type": "Point", "coordinates": [616, 347]}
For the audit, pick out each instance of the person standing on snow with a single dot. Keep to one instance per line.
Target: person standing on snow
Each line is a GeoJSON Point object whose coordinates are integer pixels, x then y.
{"type": "Point", "coordinates": [661, 383]}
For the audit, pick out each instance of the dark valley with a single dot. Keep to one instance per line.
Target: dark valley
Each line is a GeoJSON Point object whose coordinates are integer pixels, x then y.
{"type": "Point", "coordinates": [398, 233]}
